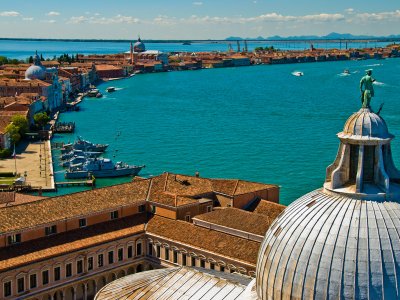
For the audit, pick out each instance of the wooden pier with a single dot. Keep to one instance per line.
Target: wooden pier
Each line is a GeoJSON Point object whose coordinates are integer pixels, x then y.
{"type": "Point", "coordinates": [90, 182]}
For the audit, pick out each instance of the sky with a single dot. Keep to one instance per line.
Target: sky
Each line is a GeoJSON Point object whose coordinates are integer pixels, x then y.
{"type": "Point", "coordinates": [198, 19]}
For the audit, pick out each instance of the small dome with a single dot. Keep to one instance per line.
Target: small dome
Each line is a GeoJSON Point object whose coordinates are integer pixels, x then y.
{"type": "Point", "coordinates": [330, 246]}
{"type": "Point", "coordinates": [365, 124]}
{"type": "Point", "coordinates": [139, 46]}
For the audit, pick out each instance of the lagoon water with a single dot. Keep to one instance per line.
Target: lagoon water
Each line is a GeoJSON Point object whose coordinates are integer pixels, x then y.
{"type": "Point", "coordinates": [256, 123]}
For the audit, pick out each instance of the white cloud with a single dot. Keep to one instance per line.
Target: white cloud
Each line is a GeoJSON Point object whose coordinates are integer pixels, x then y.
{"type": "Point", "coordinates": [118, 19]}
{"type": "Point", "coordinates": [198, 3]}
{"type": "Point", "coordinates": [349, 11]}
{"type": "Point", "coordinates": [28, 19]}
{"type": "Point", "coordinates": [382, 16]}
{"type": "Point", "coordinates": [49, 21]}
{"type": "Point", "coordinates": [53, 13]}
{"type": "Point", "coordinates": [9, 14]}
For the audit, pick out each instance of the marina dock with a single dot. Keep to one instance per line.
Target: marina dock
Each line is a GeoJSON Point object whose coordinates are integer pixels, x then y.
{"type": "Point", "coordinates": [90, 182]}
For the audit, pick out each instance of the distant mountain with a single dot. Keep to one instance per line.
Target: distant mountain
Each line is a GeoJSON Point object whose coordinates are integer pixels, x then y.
{"type": "Point", "coordinates": [330, 36]}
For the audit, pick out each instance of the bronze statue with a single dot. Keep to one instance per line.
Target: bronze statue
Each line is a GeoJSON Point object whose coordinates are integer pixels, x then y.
{"type": "Point", "coordinates": [367, 89]}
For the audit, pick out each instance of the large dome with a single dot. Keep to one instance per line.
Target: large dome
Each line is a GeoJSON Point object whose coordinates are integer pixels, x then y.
{"type": "Point", "coordinates": [139, 46]}
{"type": "Point", "coordinates": [37, 70]}
{"type": "Point", "coordinates": [331, 246]}
{"type": "Point", "coordinates": [366, 124]}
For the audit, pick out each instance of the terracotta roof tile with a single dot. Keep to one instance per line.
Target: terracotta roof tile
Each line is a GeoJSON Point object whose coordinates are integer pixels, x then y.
{"type": "Point", "coordinates": [209, 240]}
{"type": "Point", "coordinates": [269, 208]}
{"type": "Point", "coordinates": [238, 219]}
{"type": "Point", "coordinates": [59, 244]}
{"type": "Point", "coordinates": [58, 208]}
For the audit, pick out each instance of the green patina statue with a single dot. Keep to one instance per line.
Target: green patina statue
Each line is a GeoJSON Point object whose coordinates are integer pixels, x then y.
{"type": "Point", "coordinates": [367, 89]}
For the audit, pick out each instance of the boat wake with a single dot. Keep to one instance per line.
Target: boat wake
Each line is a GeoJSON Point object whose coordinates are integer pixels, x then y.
{"type": "Point", "coordinates": [118, 89]}
{"type": "Point", "coordinates": [373, 65]}
{"type": "Point", "coordinates": [378, 83]}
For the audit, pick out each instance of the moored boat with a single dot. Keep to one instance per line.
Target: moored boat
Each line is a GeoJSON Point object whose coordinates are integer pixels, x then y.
{"type": "Point", "coordinates": [101, 167]}
{"type": "Point", "coordinates": [110, 89]}
{"type": "Point", "coordinates": [81, 144]}
{"type": "Point", "coordinates": [74, 152]}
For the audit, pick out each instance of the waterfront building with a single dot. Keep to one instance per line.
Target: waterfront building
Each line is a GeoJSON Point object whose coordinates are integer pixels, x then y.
{"type": "Point", "coordinates": [69, 247]}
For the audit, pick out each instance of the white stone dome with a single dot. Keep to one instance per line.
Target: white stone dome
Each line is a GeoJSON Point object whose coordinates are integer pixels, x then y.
{"type": "Point", "coordinates": [35, 72]}
{"type": "Point", "coordinates": [365, 124]}
{"type": "Point", "coordinates": [331, 246]}
{"type": "Point", "coordinates": [139, 46]}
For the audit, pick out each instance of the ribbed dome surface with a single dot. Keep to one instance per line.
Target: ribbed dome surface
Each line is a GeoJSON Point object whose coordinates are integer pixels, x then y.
{"type": "Point", "coordinates": [365, 123]}
{"type": "Point", "coordinates": [324, 246]}
{"type": "Point", "coordinates": [139, 46]}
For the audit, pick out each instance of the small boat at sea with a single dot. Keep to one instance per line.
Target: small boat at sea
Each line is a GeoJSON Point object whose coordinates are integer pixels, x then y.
{"type": "Point", "coordinates": [81, 144]}
{"type": "Point", "coordinates": [346, 71]}
{"type": "Point", "coordinates": [297, 73]}
{"type": "Point", "coordinates": [186, 43]}
{"type": "Point", "coordinates": [100, 168]}
{"type": "Point", "coordinates": [110, 89]}
{"type": "Point", "coordinates": [74, 152]}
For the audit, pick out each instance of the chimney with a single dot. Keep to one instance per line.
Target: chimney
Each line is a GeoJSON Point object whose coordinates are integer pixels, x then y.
{"type": "Point", "coordinates": [197, 174]}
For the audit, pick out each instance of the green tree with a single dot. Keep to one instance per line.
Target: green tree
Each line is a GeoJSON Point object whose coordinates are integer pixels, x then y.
{"type": "Point", "coordinates": [3, 60]}
{"type": "Point", "coordinates": [41, 119]}
{"type": "Point", "coordinates": [30, 59]}
{"type": "Point", "coordinates": [21, 123]}
{"type": "Point", "coordinates": [13, 131]}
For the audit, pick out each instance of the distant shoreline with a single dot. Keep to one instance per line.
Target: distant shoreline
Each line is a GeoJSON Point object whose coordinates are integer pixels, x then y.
{"type": "Point", "coordinates": [228, 40]}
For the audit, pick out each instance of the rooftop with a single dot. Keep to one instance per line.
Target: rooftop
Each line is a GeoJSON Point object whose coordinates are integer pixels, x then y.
{"type": "Point", "coordinates": [63, 243]}
{"type": "Point", "coordinates": [209, 240]}
{"type": "Point", "coordinates": [19, 217]}
{"type": "Point", "coordinates": [238, 219]}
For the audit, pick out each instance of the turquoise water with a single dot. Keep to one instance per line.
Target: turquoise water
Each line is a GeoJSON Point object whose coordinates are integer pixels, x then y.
{"type": "Point", "coordinates": [23, 49]}
{"type": "Point", "coordinates": [257, 123]}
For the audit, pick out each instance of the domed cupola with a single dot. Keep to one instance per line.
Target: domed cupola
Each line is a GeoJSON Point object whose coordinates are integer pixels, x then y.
{"type": "Point", "coordinates": [37, 70]}
{"type": "Point", "coordinates": [364, 166]}
{"type": "Point", "coordinates": [341, 241]}
{"type": "Point", "coordinates": [139, 46]}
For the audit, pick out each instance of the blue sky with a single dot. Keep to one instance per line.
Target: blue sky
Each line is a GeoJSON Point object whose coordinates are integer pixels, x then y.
{"type": "Point", "coordinates": [198, 19]}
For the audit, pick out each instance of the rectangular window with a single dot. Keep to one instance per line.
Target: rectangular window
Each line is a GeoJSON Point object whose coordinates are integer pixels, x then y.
{"type": "Point", "coordinates": [32, 281]}
{"type": "Point", "coordinates": [114, 215]}
{"type": "Point", "coordinates": [7, 289]}
{"type": "Point", "coordinates": [90, 263]}
{"type": "Point", "coordinates": [45, 277]}
{"type": "Point", "coordinates": [14, 239]}
{"type": "Point", "coordinates": [79, 266]}
{"type": "Point", "coordinates": [150, 249]}
{"type": "Point", "coordinates": [57, 273]}
{"type": "Point", "coordinates": [120, 254]}
{"type": "Point", "coordinates": [202, 263]}
{"type": "Point", "coordinates": [142, 208]}
{"type": "Point", "coordinates": [51, 230]}
{"type": "Point", "coordinates": [187, 218]}
{"type": "Point", "coordinates": [209, 208]}
{"type": "Point", "coordinates": [222, 268]}
{"type": "Point", "coordinates": [111, 257]}
{"type": "Point", "coordinates": [68, 270]}
{"type": "Point", "coordinates": [212, 266]}
{"type": "Point", "coordinates": [82, 222]}
{"type": "Point", "coordinates": [130, 251]}
{"type": "Point", "coordinates": [158, 251]}
{"type": "Point", "coordinates": [175, 257]}
{"type": "Point", "coordinates": [193, 262]}
{"type": "Point", "coordinates": [166, 254]}
{"type": "Point", "coordinates": [183, 259]}
{"type": "Point", "coordinates": [20, 285]}
{"type": "Point", "coordinates": [138, 249]}
{"type": "Point", "coordinates": [100, 261]}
